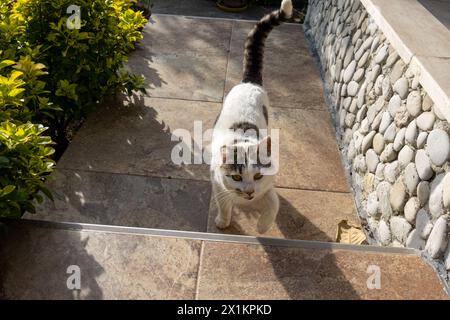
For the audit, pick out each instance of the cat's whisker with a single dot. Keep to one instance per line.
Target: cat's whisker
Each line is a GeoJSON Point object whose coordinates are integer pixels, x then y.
{"type": "Point", "coordinates": [221, 193]}
{"type": "Point", "coordinates": [220, 197]}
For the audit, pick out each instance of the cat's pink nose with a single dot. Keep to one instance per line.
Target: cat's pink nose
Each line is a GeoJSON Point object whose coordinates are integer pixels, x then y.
{"type": "Point", "coordinates": [250, 193]}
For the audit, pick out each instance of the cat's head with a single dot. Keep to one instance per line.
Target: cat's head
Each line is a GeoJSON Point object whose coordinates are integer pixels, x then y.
{"type": "Point", "coordinates": [242, 168]}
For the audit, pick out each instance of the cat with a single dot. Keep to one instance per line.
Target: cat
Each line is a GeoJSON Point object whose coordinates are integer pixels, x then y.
{"type": "Point", "coordinates": [238, 146]}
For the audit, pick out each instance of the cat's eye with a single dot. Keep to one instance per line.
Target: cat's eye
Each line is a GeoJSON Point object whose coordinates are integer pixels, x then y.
{"type": "Point", "coordinates": [236, 177]}
{"type": "Point", "coordinates": [257, 176]}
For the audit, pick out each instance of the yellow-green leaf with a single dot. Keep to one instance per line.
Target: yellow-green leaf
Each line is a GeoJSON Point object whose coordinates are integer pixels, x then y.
{"type": "Point", "coordinates": [15, 74]}
{"type": "Point", "coordinates": [15, 92]}
{"type": "Point", "coordinates": [6, 63]}
{"type": "Point", "coordinates": [8, 189]}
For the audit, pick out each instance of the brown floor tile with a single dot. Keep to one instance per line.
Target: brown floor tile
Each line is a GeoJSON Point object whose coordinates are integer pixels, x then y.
{"type": "Point", "coordinates": [138, 139]}
{"type": "Point", "coordinates": [34, 262]}
{"type": "Point", "coordinates": [305, 215]}
{"type": "Point", "coordinates": [186, 75]}
{"type": "Point", "coordinates": [118, 199]}
{"type": "Point", "coordinates": [289, 37]}
{"type": "Point", "coordinates": [240, 271]}
{"type": "Point", "coordinates": [166, 34]}
{"type": "Point", "coordinates": [309, 155]}
{"type": "Point", "coordinates": [183, 58]}
{"type": "Point", "coordinates": [286, 51]}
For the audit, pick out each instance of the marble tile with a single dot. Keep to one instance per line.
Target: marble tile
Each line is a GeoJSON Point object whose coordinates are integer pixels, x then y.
{"type": "Point", "coordinates": [34, 263]}
{"type": "Point", "coordinates": [242, 271]}
{"type": "Point", "coordinates": [181, 75]}
{"type": "Point", "coordinates": [183, 58]}
{"type": "Point", "coordinates": [140, 138]}
{"type": "Point", "coordinates": [305, 215]}
{"type": "Point", "coordinates": [166, 34]}
{"type": "Point", "coordinates": [125, 200]}
{"type": "Point", "coordinates": [290, 74]}
{"type": "Point", "coordinates": [309, 155]}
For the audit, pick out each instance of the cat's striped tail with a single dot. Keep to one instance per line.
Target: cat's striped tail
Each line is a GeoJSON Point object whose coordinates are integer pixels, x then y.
{"type": "Point", "coordinates": [254, 45]}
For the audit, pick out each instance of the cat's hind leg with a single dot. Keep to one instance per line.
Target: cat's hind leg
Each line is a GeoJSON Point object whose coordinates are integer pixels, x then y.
{"type": "Point", "coordinates": [270, 205]}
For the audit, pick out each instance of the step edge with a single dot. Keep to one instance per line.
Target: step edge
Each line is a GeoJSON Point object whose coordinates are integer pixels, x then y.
{"type": "Point", "coordinates": [217, 237]}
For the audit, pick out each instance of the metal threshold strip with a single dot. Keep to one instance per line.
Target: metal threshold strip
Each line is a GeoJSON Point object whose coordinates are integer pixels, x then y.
{"type": "Point", "coordinates": [217, 237]}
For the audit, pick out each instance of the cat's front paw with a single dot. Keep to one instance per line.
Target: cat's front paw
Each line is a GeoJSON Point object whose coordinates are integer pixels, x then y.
{"type": "Point", "coordinates": [263, 227]}
{"type": "Point", "coordinates": [265, 223]}
{"type": "Point", "coordinates": [222, 223]}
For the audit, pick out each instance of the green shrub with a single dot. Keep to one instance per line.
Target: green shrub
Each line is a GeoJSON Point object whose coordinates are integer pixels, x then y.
{"type": "Point", "coordinates": [24, 151]}
{"type": "Point", "coordinates": [22, 92]}
{"type": "Point", "coordinates": [83, 64]}
{"type": "Point", "coordinates": [50, 76]}
{"type": "Point", "coordinates": [24, 163]}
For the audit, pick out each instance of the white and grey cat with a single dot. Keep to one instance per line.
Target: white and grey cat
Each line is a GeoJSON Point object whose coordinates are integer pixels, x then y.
{"type": "Point", "coordinates": [237, 177]}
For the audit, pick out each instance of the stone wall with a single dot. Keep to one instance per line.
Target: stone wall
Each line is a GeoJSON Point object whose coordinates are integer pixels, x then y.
{"type": "Point", "coordinates": [395, 142]}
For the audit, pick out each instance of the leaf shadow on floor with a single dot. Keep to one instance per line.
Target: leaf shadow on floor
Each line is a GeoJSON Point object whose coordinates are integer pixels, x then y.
{"type": "Point", "coordinates": [34, 264]}
{"type": "Point", "coordinates": [119, 171]}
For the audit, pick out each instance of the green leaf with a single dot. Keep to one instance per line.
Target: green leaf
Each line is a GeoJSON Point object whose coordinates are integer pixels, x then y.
{"type": "Point", "coordinates": [39, 198]}
{"type": "Point", "coordinates": [4, 161]}
{"type": "Point", "coordinates": [46, 192]}
{"type": "Point", "coordinates": [6, 63]}
{"type": "Point", "coordinates": [28, 206]}
{"type": "Point", "coordinates": [15, 74]}
{"type": "Point", "coordinates": [6, 190]}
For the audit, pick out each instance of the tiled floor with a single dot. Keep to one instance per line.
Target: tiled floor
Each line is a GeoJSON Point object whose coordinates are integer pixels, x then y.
{"type": "Point", "coordinates": [127, 200]}
{"type": "Point", "coordinates": [34, 262]}
{"type": "Point", "coordinates": [297, 273]}
{"type": "Point", "coordinates": [305, 215]}
{"type": "Point", "coordinates": [118, 170]}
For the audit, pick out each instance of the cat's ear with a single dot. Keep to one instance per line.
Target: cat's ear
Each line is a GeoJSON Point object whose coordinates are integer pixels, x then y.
{"type": "Point", "coordinates": [265, 146]}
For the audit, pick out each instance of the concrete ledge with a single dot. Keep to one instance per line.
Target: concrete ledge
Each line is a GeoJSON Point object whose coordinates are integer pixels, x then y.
{"type": "Point", "coordinates": [420, 39]}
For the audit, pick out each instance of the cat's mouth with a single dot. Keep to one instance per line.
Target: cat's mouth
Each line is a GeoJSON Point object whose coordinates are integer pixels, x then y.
{"type": "Point", "coordinates": [245, 196]}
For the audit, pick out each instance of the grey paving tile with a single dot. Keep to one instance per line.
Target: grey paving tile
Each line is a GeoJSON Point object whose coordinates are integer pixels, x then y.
{"type": "Point", "coordinates": [183, 58]}
{"type": "Point", "coordinates": [290, 74]}
{"type": "Point", "coordinates": [241, 271]}
{"type": "Point", "coordinates": [125, 200]}
{"type": "Point", "coordinates": [34, 263]}
{"type": "Point", "coordinates": [139, 139]}
{"type": "Point", "coordinates": [305, 215]}
{"type": "Point", "coordinates": [309, 155]}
